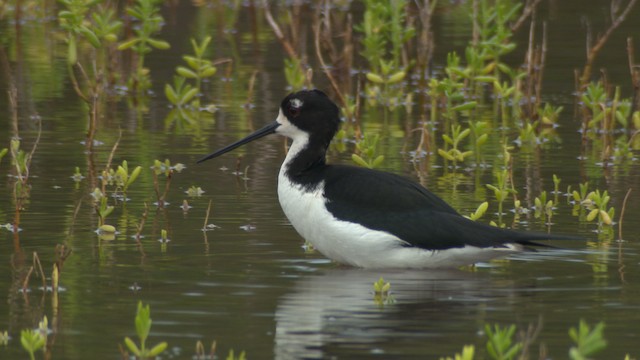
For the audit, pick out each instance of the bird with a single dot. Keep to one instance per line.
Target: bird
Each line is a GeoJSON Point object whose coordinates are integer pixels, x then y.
{"type": "Point", "coordinates": [368, 218]}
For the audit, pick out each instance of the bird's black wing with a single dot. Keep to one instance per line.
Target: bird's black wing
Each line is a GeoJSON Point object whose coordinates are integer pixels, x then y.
{"type": "Point", "coordinates": [388, 202]}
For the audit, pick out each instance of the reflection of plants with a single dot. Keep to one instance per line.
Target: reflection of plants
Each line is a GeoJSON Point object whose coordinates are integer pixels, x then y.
{"type": "Point", "coordinates": [143, 326]}
{"type": "Point", "coordinates": [543, 207]}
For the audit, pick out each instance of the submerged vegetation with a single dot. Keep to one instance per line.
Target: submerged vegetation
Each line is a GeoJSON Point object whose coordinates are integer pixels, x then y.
{"type": "Point", "coordinates": [475, 122]}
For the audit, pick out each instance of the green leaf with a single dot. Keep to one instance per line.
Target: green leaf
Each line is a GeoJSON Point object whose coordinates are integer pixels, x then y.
{"type": "Point", "coordinates": [592, 214]}
{"type": "Point", "coordinates": [210, 71]}
{"type": "Point", "coordinates": [91, 36]}
{"type": "Point", "coordinates": [183, 71]}
{"type": "Point", "coordinates": [375, 78]}
{"type": "Point", "coordinates": [170, 93]}
{"type": "Point", "coordinates": [132, 346]}
{"type": "Point", "coordinates": [445, 155]}
{"type": "Point", "coordinates": [358, 160]}
{"type": "Point", "coordinates": [466, 106]}
{"type": "Point", "coordinates": [127, 44]}
{"type": "Point", "coordinates": [189, 95]}
{"type": "Point", "coordinates": [156, 350]}
{"type": "Point", "coordinates": [159, 44]}
{"type": "Point", "coordinates": [397, 77]}
{"type": "Point", "coordinates": [72, 53]}
{"type": "Point", "coordinates": [482, 139]}
{"type": "Point", "coordinates": [134, 176]}
{"type": "Point", "coordinates": [378, 161]}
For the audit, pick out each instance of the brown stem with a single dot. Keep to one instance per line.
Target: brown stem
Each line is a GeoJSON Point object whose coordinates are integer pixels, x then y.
{"type": "Point", "coordinates": [624, 206]}
{"type": "Point", "coordinates": [602, 40]}
{"type": "Point", "coordinates": [334, 84]}
{"type": "Point", "coordinates": [635, 78]}
{"type": "Point", "coordinates": [528, 10]}
{"type": "Point", "coordinates": [278, 33]}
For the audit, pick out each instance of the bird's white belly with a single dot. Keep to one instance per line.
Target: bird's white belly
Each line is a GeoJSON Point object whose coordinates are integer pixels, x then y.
{"type": "Point", "coordinates": [353, 244]}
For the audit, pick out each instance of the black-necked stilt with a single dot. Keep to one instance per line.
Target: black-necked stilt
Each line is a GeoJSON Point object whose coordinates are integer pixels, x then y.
{"type": "Point", "coordinates": [364, 217]}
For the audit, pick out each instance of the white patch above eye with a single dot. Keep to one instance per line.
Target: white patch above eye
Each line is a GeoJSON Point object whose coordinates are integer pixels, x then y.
{"type": "Point", "coordinates": [296, 103]}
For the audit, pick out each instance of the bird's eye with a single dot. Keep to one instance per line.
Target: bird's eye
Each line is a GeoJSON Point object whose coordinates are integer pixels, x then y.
{"type": "Point", "coordinates": [294, 112]}
{"type": "Point", "coordinates": [294, 107]}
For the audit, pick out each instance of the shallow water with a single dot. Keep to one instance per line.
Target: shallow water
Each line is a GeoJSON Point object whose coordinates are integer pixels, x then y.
{"type": "Point", "coordinates": [249, 284]}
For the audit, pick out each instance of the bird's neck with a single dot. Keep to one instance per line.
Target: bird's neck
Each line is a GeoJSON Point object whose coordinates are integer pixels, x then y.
{"type": "Point", "coordinates": [305, 154]}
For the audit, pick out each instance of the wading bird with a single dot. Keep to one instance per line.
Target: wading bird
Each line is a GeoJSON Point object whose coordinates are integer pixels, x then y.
{"type": "Point", "coordinates": [368, 218]}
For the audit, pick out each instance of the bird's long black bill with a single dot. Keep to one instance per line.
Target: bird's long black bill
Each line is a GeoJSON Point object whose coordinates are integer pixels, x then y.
{"type": "Point", "coordinates": [269, 129]}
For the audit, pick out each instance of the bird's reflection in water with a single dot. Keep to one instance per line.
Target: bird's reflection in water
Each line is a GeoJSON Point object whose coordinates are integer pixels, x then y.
{"type": "Point", "coordinates": [335, 313]}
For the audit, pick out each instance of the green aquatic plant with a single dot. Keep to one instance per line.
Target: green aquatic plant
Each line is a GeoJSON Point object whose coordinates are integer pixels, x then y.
{"type": "Point", "coordinates": [479, 135]}
{"type": "Point", "coordinates": [198, 68]}
{"type": "Point", "coordinates": [480, 211]}
{"type": "Point", "coordinates": [4, 338]}
{"type": "Point", "coordinates": [597, 204]}
{"type": "Point", "coordinates": [294, 74]}
{"type": "Point", "coordinates": [588, 341]}
{"type": "Point", "coordinates": [167, 169]}
{"type": "Point", "coordinates": [102, 207]}
{"type": "Point", "coordinates": [143, 327]}
{"type": "Point", "coordinates": [381, 293]}
{"type": "Point", "coordinates": [580, 196]}
{"type": "Point", "coordinates": [232, 356]}
{"type": "Point", "coordinates": [381, 287]}
{"type": "Point", "coordinates": [543, 207]}
{"type": "Point", "coordinates": [467, 353]}
{"type": "Point", "coordinates": [121, 178]}
{"type": "Point", "coordinates": [501, 190]}
{"type": "Point", "coordinates": [77, 175]}
{"type": "Point", "coordinates": [451, 89]}
{"type": "Point", "coordinates": [500, 342]}
{"type": "Point", "coordinates": [493, 35]}
{"type": "Point", "coordinates": [147, 14]}
{"type": "Point", "coordinates": [385, 33]}
{"type": "Point", "coordinates": [367, 147]}
{"type": "Point", "coordinates": [32, 341]}
{"type": "Point", "coordinates": [73, 19]}
{"type": "Point", "coordinates": [454, 154]}
{"type": "Point", "coordinates": [3, 152]}
{"type": "Point", "coordinates": [181, 92]}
